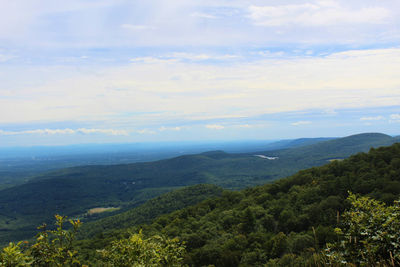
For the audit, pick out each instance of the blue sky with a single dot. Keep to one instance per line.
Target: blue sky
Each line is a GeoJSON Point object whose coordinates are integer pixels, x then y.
{"type": "Point", "coordinates": [138, 71]}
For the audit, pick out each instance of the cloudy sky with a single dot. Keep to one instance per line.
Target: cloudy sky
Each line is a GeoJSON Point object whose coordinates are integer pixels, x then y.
{"type": "Point", "coordinates": [83, 71]}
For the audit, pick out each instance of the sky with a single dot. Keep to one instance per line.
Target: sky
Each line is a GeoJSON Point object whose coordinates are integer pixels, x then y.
{"type": "Point", "coordinates": [105, 71]}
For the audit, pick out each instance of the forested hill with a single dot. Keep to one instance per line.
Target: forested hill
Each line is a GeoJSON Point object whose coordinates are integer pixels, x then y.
{"type": "Point", "coordinates": [292, 143]}
{"type": "Point", "coordinates": [145, 213]}
{"type": "Point", "coordinates": [74, 191]}
{"type": "Point", "coordinates": [337, 148]}
{"type": "Point", "coordinates": [282, 223]}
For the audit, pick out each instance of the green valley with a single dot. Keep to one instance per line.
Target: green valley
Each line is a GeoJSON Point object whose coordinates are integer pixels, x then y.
{"type": "Point", "coordinates": [307, 219]}
{"type": "Point", "coordinates": [283, 224]}
{"type": "Point", "coordinates": [74, 191]}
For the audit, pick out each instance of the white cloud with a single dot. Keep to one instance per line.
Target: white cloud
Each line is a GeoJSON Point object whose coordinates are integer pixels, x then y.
{"type": "Point", "coordinates": [220, 74]}
{"type": "Point", "coordinates": [195, 57]}
{"type": "Point", "coordinates": [374, 118]}
{"type": "Point", "coordinates": [271, 54]}
{"type": "Point", "coordinates": [367, 53]}
{"type": "Point", "coordinates": [39, 131]}
{"type": "Point", "coordinates": [214, 126]}
{"type": "Point", "coordinates": [182, 56]}
{"type": "Point", "coordinates": [245, 126]}
{"type": "Point", "coordinates": [163, 128]}
{"type": "Point", "coordinates": [394, 118]}
{"type": "Point", "coordinates": [220, 23]}
{"type": "Point", "coordinates": [145, 131]}
{"type": "Point", "coordinates": [170, 92]}
{"type": "Point", "coordinates": [102, 131]}
{"type": "Point", "coordinates": [151, 60]}
{"type": "Point", "coordinates": [66, 131]}
{"type": "Point", "coordinates": [299, 123]}
{"type": "Point", "coordinates": [319, 13]}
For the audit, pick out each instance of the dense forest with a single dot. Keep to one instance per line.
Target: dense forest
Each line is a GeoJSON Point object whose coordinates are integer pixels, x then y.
{"type": "Point", "coordinates": [75, 191]}
{"type": "Point", "coordinates": [341, 213]}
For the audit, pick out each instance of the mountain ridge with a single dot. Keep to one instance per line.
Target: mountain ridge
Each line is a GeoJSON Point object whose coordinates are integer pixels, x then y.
{"type": "Point", "coordinates": [73, 191]}
{"type": "Point", "coordinates": [284, 223]}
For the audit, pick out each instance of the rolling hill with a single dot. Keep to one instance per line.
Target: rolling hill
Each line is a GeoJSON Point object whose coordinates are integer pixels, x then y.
{"type": "Point", "coordinates": [279, 224]}
{"type": "Point", "coordinates": [74, 191]}
{"type": "Point", "coordinates": [155, 207]}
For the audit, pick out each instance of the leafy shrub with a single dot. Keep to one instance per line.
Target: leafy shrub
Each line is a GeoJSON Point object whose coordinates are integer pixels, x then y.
{"type": "Point", "coordinates": [369, 235]}
{"type": "Point", "coordinates": [13, 256]}
{"type": "Point", "coordinates": [55, 247]}
{"type": "Point", "coordinates": [136, 251]}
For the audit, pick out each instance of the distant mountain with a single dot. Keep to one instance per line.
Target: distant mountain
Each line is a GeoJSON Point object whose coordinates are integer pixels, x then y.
{"type": "Point", "coordinates": [74, 191]}
{"type": "Point", "coordinates": [292, 143]}
{"type": "Point", "coordinates": [321, 152]}
{"type": "Point", "coordinates": [350, 144]}
{"type": "Point", "coordinates": [19, 164]}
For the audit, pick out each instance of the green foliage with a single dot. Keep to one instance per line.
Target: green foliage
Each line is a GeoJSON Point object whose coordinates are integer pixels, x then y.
{"type": "Point", "coordinates": [52, 248]}
{"type": "Point", "coordinates": [288, 220]}
{"type": "Point", "coordinates": [285, 223]}
{"type": "Point", "coordinates": [55, 247]}
{"type": "Point", "coordinates": [98, 234]}
{"type": "Point", "coordinates": [13, 256]}
{"type": "Point", "coordinates": [370, 235]}
{"type": "Point", "coordinates": [151, 209]}
{"type": "Point", "coordinates": [74, 191]}
{"type": "Point", "coordinates": [137, 251]}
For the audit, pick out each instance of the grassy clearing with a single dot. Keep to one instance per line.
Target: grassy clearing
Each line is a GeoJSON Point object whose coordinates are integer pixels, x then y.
{"type": "Point", "coordinates": [101, 210]}
{"type": "Point", "coordinates": [331, 160]}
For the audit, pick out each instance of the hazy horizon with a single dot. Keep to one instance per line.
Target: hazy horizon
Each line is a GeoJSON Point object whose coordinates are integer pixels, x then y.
{"type": "Point", "coordinates": [81, 71]}
{"type": "Point", "coordinates": [164, 144]}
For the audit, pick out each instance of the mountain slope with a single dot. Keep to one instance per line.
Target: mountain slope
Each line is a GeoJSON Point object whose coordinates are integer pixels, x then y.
{"type": "Point", "coordinates": [74, 191]}
{"type": "Point", "coordinates": [281, 223]}
{"type": "Point", "coordinates": [292, 143]}
{"type": "Point", "coordinates": [347, 145]}
{"type": "Point", "coordinates": [340, 148]}
{"type": "Point", "coordinates": [153, 208]}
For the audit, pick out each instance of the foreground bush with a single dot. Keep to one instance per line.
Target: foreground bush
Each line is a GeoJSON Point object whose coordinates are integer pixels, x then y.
{"type": "Point", "coordinates": [56, 248]}
{"type": "Point", "coordinates": [369, 236]}
{"type": "Point", "coordinates": [52, 248]}
{"type": "Point", "coordinates": [137, 251]}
